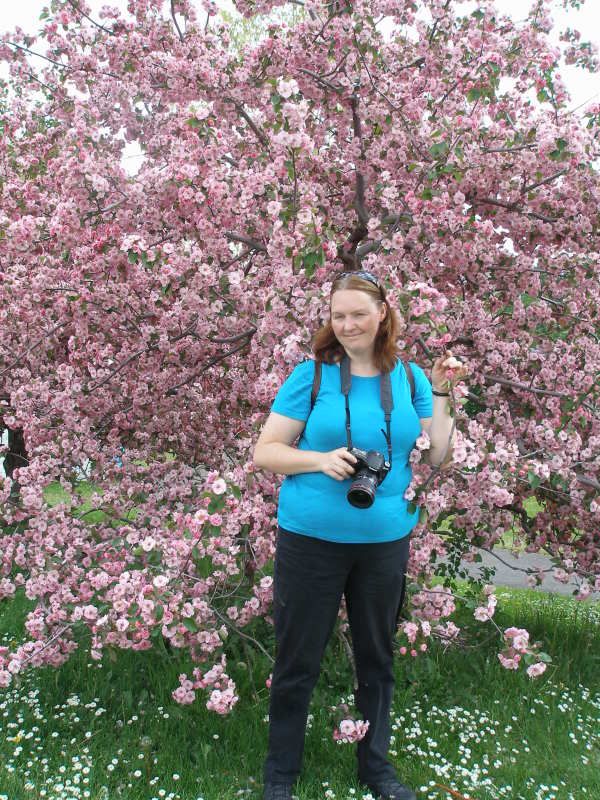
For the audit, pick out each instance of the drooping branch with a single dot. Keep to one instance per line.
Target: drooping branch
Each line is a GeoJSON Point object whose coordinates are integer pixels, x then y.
{"type": "Point", "coordinates": [513, 207]}
{"type": "Point", "coordinates": [516, 149]}
{"type": "Point", "coordinates": [231, 339]}
{"type": "Point", "coordinates": [21, 356]}
{"type": "Point", "coordinates": [525, 387]}
{"type": "Point", "coordinates": [323, 81]}
{"type": "Point", "coordinates": [174, 18]}
{"type": "Point", "coordinates": [253, 243]}
{"type": "Point", "coordinates": [216, 360]}
{"type": "Point", "coordinates": [101, 211]}
{"type": "Point", "coordinates": [75, 5]}
{"type": "Point", "coordinates": [189, 330]}
{"type": "Point", "coordinates": [543, 182]}
{"type": "Point", "coordinates": [59, 63]}
{"type": "Point", "coordinates": [260, 135]}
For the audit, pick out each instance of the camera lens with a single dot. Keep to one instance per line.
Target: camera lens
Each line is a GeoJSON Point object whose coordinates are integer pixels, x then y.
{"type": "Point", "coordinates": [361, 493]}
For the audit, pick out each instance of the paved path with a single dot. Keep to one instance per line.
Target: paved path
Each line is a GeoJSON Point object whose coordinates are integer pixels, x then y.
{"type": "Point", "coordinates": [507, 576]}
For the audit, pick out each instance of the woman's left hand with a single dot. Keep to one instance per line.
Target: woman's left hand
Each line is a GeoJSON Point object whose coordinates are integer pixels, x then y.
{"type": "Point", "coordinates": [446, 372]}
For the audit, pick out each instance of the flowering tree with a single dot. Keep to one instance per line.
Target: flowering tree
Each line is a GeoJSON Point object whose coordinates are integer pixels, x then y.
{"type": "Point", "coordinates": [148, 318]}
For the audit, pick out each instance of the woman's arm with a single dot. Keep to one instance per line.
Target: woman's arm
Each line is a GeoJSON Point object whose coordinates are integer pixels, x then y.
{"type": "Point", "coordinates": [275, 453]}
{"type": "Point", "coordinates": [446, 372]}
{"type": "Point", "coordinates": [439, 428]}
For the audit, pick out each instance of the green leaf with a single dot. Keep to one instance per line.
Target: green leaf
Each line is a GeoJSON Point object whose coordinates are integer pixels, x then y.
{"type": "Point", "coordinates": [534, 480]}
{"type": "Point", "coordinates": [310, 261]}
{"type": "Point", "coordinates": [160, 612]}
{"type": "Point", "coordinates": [439, 149]}
{"type": "Point", "coordinates": [473, 95]}
{"type": "Point", "coordinates": [193, 122]}
{"type": "Point", "coordinates": [427, 194]}
{"type": "Point", "coordinates": [542, 95]}
{"type": "Point", "coordinates": [528, 299]}
{"type": "Point", "coordinates": [411, 507]}
{"type": "Point", "coordinates": [547, 659]}
{"type": "Point", "coordinates": [190, 624]}
{"type": "Point", "coordinates": [276, 101]}
{"type": "Point", "coordinates": [478, 14]}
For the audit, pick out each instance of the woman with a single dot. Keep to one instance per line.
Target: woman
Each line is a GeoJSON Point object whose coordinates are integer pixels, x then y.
{"type": "Point", "coordinates": [326, 546]}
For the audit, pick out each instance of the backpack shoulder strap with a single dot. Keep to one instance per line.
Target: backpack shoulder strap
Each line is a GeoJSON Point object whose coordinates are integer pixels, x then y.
{"type": "Point", "coordinates": [411, 379]}
{"type": "Point", "coordinates": [316, 384]}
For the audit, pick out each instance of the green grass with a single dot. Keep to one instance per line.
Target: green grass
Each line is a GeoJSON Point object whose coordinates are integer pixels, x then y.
{"type": "Point", "coordinates": [460, 721]}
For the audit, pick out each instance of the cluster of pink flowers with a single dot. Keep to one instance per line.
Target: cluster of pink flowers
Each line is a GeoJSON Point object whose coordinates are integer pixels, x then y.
{"type": "Point", "coordinates": [517, 648]}
{"type": "Point", "coordinates": [484, 613]}
{"type": "Point", "coordinates": [433, 604]}
{"type": "Point", "coordinates": [222, 697]}
{"type": "Point", "coordinates": [416, 633]}
{"type": "Point", "coordinates": [351, 730]}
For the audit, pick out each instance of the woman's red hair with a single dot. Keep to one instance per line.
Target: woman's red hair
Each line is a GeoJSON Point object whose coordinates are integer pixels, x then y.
{"type": "Point", "coordinates": [327, 348]}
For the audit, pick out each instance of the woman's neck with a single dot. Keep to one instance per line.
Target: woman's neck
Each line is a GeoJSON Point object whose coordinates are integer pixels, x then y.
{"type": "Point", "coordinates": [362, 364]}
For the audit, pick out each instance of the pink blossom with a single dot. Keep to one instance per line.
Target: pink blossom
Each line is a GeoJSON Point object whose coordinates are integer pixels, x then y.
{"type": "Point", "coordinates": [219, 486]}
{"type": "Point", "coordinates": [536, 669]}
{"type": "Point", "coordinates": [287, 88]}
{"type": "Point", "coordinates": [509, 662]}
{"type": "Point", "coordinates": [350, 730]}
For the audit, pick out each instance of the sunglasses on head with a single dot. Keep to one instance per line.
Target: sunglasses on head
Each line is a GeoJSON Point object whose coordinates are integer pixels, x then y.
{"type": "Point", "coordinates": [363, 274]}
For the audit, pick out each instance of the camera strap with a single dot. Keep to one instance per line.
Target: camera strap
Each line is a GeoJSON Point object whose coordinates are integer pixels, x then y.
{"type": "Point", "coordinates": [387, 403]}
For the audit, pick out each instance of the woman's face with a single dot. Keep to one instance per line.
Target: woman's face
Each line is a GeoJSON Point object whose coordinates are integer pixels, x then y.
{"type": "Point", "coordinates": [355, 319]}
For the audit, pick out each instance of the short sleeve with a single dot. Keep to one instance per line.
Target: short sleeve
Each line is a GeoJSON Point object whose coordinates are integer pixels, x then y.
{"type": "Point", "coordinates": [423, 397]}
{"type": "Point", "coordinates": [293, 398]}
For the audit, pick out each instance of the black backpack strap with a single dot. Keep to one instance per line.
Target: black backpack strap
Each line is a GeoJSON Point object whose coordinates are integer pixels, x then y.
{"type": "Point", "coordinates": [411, 379]}
{"type": "Point", "coordinates": [316, 384]}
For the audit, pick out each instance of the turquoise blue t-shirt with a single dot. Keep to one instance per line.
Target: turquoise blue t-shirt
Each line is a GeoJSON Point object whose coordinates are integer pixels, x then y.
{"type": "Point", "coordinates": [316, 505]}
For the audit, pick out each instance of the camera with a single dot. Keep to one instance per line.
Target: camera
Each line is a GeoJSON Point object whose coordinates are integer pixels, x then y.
{"type": "Point", "coordinates": [369, 471]}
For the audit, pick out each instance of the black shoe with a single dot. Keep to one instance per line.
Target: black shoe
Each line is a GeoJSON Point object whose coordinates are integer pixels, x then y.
{"type": "Point", "coordinates": [277, 791]}
{"type": "Point", "coordinates": [391, 789]}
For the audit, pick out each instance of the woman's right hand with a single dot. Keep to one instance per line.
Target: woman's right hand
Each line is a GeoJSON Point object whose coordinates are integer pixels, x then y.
{"type": "Point", "coordinates": [338, 464]}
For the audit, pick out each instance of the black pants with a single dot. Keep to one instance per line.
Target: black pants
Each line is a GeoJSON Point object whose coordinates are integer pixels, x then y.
{"type": "Point", "coordinates": [311, 575]}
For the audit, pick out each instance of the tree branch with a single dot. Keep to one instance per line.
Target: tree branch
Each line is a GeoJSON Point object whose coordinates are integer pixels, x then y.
{"type": "Point", "coordinates": [327, 84]}
{"type": "Point", "coordinates": [59, 63]}
{"type": "Point", "coordinates": [515, 149]}
{"type": "Point", "coordinates": [21, 356]}
{"type": "Point", "coordinates": [514, 207]}
{"type": "Point", "coordinates": [235, 628]}
{"type": "Point", "coordinates": [253, 243]}
{"type": "Point", "coordinates": [359, 200]}
{"type": "Point", "coordinates": [230, 339]}
{"type": "Point", "coordinates": [174, 18]}
{"type": "Point", "coordinates": [543, 182]}
{"type": "Point", "coordinates": [524, 386]}
{"type": "Point", "coordinates": [261, 135]}
{"type": "Point", "coordinates": [174, 389]}
{"type": "Point", "coordinates": [74, 5]}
